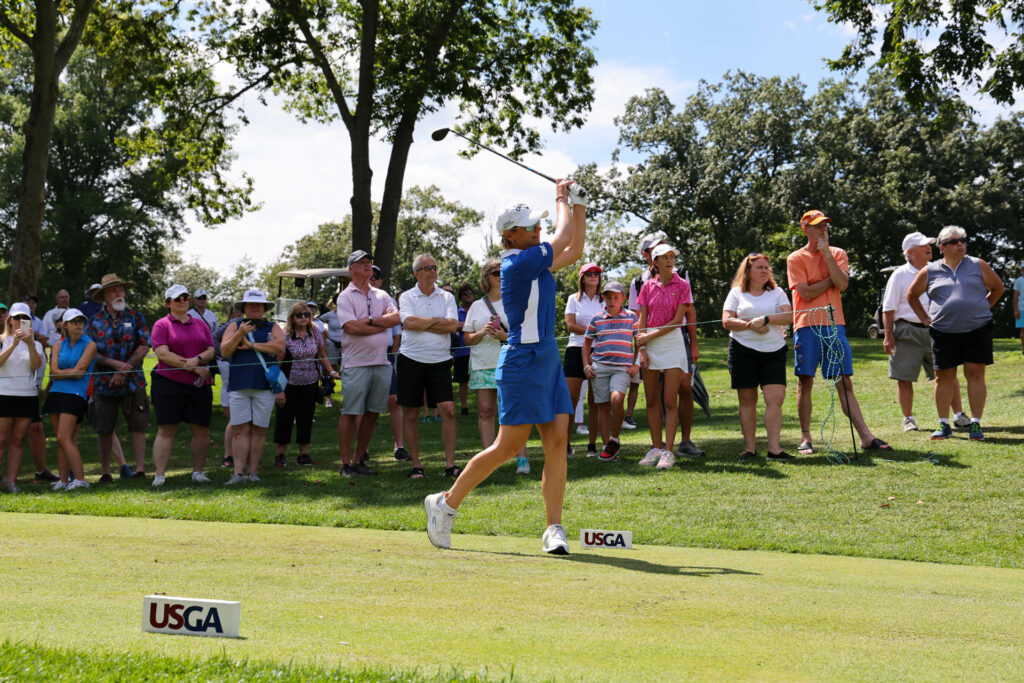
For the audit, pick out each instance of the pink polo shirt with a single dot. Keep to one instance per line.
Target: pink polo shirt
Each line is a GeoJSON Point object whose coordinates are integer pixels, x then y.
{"type": "Point", "coordinates": [354, 305]}
{"type": "Point", "coordinates": [187, 339]}
{"type": "Point", "coordinates": [663, 300]}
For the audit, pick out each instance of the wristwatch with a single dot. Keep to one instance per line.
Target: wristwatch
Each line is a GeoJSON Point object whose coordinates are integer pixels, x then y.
{"type": "Point", "coordinates": [371, 321]}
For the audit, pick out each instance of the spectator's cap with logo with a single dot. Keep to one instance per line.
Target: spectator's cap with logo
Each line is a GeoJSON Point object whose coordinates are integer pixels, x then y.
{"type": "Point", "coordinates": [92, 288]}
{"type": "Point", "coordinates": [589, 268]}
{"type": "Point", "coordinates": [518, 216]}
{"type": "Point", "coordinates": [72, 314]}
{"type": "Point", "coordinates": [813, 217]}
{"type": "Point", "coordinates": [377, 272]}
{"type": "Point", "coordinates": [358, 255]}
{"type": "Point", "coordinates": [663, 249]}
{"type": "Point", "coordinates": [254, 296]}
{"type": "Point", "coordinates": [174, 291]}
{"type": "Point", "coordinates": [916, 239]}
{"type": "Point", "coordinates": [21, 309]}
{"type": "Point", "coordinates": [110, 280]}
{"type": "Point", "coordinates": [201, 294]}
{"type": "Point", "coordinates": [613, 286]}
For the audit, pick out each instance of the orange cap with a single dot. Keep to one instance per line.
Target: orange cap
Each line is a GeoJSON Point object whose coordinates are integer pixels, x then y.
{"type": "Point", "coordinates": [813, 217]}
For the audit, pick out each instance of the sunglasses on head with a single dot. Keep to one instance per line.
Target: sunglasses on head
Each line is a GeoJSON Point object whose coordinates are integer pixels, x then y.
{"type": "Point", "coordinates": [955, 240]}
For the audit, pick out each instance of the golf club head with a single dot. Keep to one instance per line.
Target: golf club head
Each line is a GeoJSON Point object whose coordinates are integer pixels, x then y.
{"type": "Point", "coordinates": [440, 134]}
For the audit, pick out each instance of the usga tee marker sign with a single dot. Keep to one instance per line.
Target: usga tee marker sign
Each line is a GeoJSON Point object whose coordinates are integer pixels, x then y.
{"type": "Point", "coordinates": [598, 538]}
{"type": "Point", "coordinates": [190, 616]}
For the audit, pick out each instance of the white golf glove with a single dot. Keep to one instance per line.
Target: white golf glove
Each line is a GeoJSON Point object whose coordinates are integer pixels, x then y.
{"type": "Point", "coordinates": [577, 195]}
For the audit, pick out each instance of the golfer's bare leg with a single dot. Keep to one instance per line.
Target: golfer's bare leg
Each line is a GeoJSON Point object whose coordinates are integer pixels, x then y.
{"type": "Point", "coordinates": [510, 439]}
{"type": "Point", "coordinates": [556, 468]}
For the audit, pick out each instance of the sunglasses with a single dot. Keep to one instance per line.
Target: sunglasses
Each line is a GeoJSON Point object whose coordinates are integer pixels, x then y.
{"type": "Point", "coordinates": [180, 298]}
{"type": "Point", "coordinates": [495, 273]}
{"type": "Point", "coordinates": [955, 240]}
{"type": "Point", "coordinates": [22, 317]}
{"type": "Point", "coordinates": [301, 315]}
{"type": "Point", "coordinates": [591, 272]}
{"type": "Point", "coordinates": [427, 268]}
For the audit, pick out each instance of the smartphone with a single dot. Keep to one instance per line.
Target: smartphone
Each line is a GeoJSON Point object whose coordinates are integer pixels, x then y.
{"type": "Point", "coordinates": [496, 321]}
{"type": "Point", "coordinates": [26, 326]}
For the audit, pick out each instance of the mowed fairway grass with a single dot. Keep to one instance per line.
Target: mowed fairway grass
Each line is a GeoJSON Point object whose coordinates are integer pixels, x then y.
{"type": "Point", "coordinates": [678, 606]}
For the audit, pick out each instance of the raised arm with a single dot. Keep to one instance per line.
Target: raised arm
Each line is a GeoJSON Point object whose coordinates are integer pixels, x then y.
{"type": "Point", "coordinates": [571, 227]}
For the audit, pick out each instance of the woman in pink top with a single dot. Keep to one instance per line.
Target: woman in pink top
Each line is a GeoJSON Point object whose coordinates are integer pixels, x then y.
{"type": "Point", "coordinates": [663, 302]}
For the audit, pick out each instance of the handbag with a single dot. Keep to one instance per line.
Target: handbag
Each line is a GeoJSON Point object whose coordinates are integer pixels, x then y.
{"type": "Point", "coordinates": [275, 378]}
{"type": "Point", "coordinates": [327, 386]}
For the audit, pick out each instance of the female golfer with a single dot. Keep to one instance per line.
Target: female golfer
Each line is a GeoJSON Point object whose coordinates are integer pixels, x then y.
{"type": "Point", "coordinates": [531, 384]}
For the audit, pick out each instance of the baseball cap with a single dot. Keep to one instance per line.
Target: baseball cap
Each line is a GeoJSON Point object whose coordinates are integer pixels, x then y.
{"type": "Point", "coordinates": [3, 306]}
{"type": "Point", "coordinates": [649, 242]}
{"type": "Point", "coordinates": [377, 272]}
{"type": "Point", "coordinates": [92, 288]}
{"type": "Point", "coordinates": [174, 291]}
{"type": "Point", "coordinates": [663, 249]}
{"type": "Point", "coordinates": [358, 255]}
{"type": "Point", "coordinates": [613, 286]}
{"type": "Point", "coordinates": [200, 293]}
{"type": "Point", "coordinates": [71, 314]}
{"type": "Point", "coordinates": [916, 239]}
{"type": "Point", "coordinates": [813, 217]}
{"type": "Point", "coordinates": [518, 216]}
{"type": "Point", "coordinates": [20, 309]}
{"type": "Point", "coordinates": [313, 304]}
{"type": "Point", "coordinates": [587, 267]}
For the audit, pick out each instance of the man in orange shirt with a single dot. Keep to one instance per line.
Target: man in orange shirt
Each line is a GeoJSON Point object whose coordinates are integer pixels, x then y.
{"type": "Point", "coordinates": [818, 274]}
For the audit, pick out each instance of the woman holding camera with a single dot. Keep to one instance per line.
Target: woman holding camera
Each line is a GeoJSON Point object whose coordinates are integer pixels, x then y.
{"type": "Point", "coordinates": [20, 356]}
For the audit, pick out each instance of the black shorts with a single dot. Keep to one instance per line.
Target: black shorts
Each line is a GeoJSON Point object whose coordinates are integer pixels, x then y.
{"type": "Point", "coordinates": [175, 403]}
{"type": "Point", "coordinates": [20, 407]}
{"type": "Point", "coordinates": [750, 369]}
{"type": "Point", "coordinates": [414, 378]}
{"type": "Point", "coordinates": [460, 370]}
{"type": "Point", "coordinates": [572, 364]}
{"type": "Point", "coordinates": [58, 402]}
{"type": "Point", "coordinates": [950, 349]}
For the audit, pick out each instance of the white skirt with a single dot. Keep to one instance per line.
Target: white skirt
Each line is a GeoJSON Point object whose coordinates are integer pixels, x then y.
{"type": "Point", "coordinates": [668, 351]}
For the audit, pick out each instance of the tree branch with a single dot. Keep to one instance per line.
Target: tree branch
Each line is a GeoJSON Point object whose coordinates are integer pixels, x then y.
{"type": "Point", "coordinates": [6, 22]}
{"type": "Point", "coordinates": [69, 43]}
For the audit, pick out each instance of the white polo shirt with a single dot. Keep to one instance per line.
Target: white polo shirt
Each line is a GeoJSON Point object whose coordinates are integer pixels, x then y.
{"type": "Point", "coordinates": [895, 297]}
{"type": "Point", "coordinates": [50, 326]}
{"type": "Point", "coordinates": [209, 317]}
{"type": "Point", "coordinates": [426, 347]}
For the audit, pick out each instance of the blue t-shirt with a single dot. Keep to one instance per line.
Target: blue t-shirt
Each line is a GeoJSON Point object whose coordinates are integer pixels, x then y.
{"type": "Point", "coordinates": [528, 294]}
{"type": "Point", "coordinates": [1018, 286]}
{"type": "Point", "coordinates": [67, 357]}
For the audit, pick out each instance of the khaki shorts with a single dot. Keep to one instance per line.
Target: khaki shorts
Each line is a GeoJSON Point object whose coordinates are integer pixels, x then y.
{"type": "Point", "coordinates": [135, 408]}
{"type": "Point", "coordinates": [913, 352]}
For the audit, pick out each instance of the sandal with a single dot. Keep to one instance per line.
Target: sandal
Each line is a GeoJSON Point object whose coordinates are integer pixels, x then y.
{"type": "Point", "coordinates": [417, 473]}
{"type": "Point", "coordinates": [877, 445]}
{"type": "Point", "coordinates": [454, 471]}
{"type": "Point", "coordinates": [805, 448]}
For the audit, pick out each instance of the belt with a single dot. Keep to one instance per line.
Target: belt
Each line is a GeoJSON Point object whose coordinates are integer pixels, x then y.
{"type": "Point", "coordinates": [910, 322]}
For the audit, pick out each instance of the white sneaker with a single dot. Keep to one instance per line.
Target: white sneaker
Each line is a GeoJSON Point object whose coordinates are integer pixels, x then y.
{"type": "Point", "coordinates": [200, 478]}
{"type": "Point", "coordinates": [554, 540]}
{"type": "Point", "coordinates": [76, 484]}
{"type": "Point", "coordinates": [440, 520]}
{"type": "Point", "coordinates": [909, 425]}
{"type": "Point", "coordinates": [962, 421]}
{"type": "Point", "coordinates": [522, 466]}
{"type": "Point", "coordinates": [159, 480]}
{"type": "Point", "coordinates": [59, 485]}
{"type": "Point", "coordinates": [582, 429]}
{"type": "Point", "coordinates": [651, 458]}
{"type": "Point", "coordinates": [667, 460]}
{"type": "Point", "coordinates": [236, 479]}
{"type": "Point", "coordinates": [254, 477]}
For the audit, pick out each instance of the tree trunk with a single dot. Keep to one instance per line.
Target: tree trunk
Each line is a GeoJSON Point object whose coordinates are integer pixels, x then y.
{"type": "Point", "coordinates": [359, 130]}
{"type": "Point", "coordinates": [387, 227]}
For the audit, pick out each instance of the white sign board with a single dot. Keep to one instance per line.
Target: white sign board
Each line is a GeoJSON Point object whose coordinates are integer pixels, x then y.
{"type": "Point", "coordinates": [191, 616]}
{"type": "Point", "coordinates": [599, 538]}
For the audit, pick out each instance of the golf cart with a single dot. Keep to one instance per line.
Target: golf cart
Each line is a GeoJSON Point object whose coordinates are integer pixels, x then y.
{"type": "Point", "coordinates": [877, 328]}
{"type": "Point", "coordinates": [283, 304]}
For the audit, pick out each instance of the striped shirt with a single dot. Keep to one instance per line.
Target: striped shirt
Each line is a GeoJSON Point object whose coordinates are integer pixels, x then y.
{"type": "Point", "coordinates": [612, 338]}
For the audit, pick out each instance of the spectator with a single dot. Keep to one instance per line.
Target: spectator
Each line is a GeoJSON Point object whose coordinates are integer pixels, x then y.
{"type": "Point", "coordinates": [366, 314]}
{"type": "Point", "coordinates": [200, 310]}
{"type": "Point", "coordinates": [485, 331]}
{"type": "Point", "coordinates": [460, 371]}
{"type": "Point", "coordinates": [914, 348]}
{"type": "Point", "coordinates": [122, 342]}
{"type": "Point", "coordinates": [53, 317]}
{"type": "Point", "coordinates": [181, 383]}
{"type": "Point", "coordinates": [818, 274]}
{"type": "Point", "coordinates": [961, 290]}
{"type": "Point", "coordinates": [251, 399]}
{"type": "Point", "coordinates": [394, 410]}
{"type": "Point", "coordinates": [303, 356]}
{"type": "Point", "coordinates": [4, 313]}
{"type": "Point", "coordinates": [20, 356]}
{"type": "Point", "coordinates": [314, 310]}
{"type": "Point", "coordinates": [72, 360]}
{"type": "Point", "coordinates": [663, 300]}
{"type": "Point", "coordinates": [1018, 305]}
{"type": "Point", "coordinates": [647, 244]}
{"type": "Point", "coordinates": [224, 370]}
{"type": "Point", "coordinates": [428, 318]}
{"type": "Point", "coordinates": [753, 312]}
{"type": "Point", "coordinates": [609, 359]}
{"type": "Point", "coordinates": [580, 308]}
{"type": "Point", "coordinates": [333, 345]}
{"type": "Point", "coordinates": [90, 307]}
{"type": "Point", "coordinates": [37, 323]}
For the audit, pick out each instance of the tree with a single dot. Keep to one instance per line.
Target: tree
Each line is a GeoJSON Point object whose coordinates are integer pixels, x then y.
{"type": "Point", "coordinates": [976, 43]}
{"type": "Point", "coordinates": [380, 67]}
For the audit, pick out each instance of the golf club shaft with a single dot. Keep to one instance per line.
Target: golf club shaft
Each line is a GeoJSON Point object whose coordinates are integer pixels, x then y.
{"type": "Point", "coordinates": [507, 158]}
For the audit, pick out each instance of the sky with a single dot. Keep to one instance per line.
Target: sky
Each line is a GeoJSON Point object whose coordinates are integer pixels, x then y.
{"type": "Point", "coordinates": [302, 175]}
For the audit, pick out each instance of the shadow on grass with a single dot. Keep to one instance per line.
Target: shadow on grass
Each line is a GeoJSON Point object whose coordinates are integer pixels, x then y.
{"type": "Point", "coordinates": [629, 564]}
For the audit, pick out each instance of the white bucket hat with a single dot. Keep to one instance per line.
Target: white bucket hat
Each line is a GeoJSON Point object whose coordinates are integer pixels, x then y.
{"type": "Point", "coordinates": [254, 296]}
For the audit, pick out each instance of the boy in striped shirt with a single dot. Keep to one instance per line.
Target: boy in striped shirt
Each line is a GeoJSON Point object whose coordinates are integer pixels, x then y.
{"type": "Point", "coordinates": [609, 360]}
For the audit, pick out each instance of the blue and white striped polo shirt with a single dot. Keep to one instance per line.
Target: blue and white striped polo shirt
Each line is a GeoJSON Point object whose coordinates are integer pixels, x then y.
{"type": "Point", "coordinates": [612, 338]}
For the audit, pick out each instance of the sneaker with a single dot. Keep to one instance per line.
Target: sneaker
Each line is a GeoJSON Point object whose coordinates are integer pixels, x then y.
{"type": "Point", "coordinates": [348, 471]}
{"type": "Point", "coordinates": [365, 460]}
{"type": "Point", "coordinates": [254, 477]}
{"type": "Point", "coordinates": [227, 462]}
{"type": "Point", "coordinates": [76, 485]}
{"type": "Point", "coordinates": [943, 432]}
{"type": "Point", "coordinates": [592, 450]}
{"type": "Point", "coordinates": [159, 480]}
{"type": "Point", "coordinates": [361, 468]}
{"type": "Point", "coordinates": [127, 471]}
{"type": "Point", "coordinates": [651, 458]}
{"type": "Point", "coordinates": [610, 452]}
{"type": "Point", "coordinates": [976, 434]}
{"type": "Point", "coordinates": [909, 425]}
{"type": "Point", "coordinates": [200, 478]}
{"type": "Point", "coordinates": [280, 460]}
{"type": "Point", "coordinates": [106, 479]}
{"type": "Point", "coordinates": [748, 457]}
{"type": "Point", "coordinates": [554, 540]}
{"type": "Point", "coordinates": [688, 449]}
{"type": "Point", "coordinates": [59, 485]}
{"type": "Point", "coordinates": [522, 465]}
{"type": "Point", "coordinates": [667, 460]}
{"type": "Point", "coordinates": [12, 488]}
{"type": "Point", "coordinates": [46, 477]}
{"type": "Point", "coordinates": [781, 456]}
{"type": "Point", "coordinates": [961, 421]}
{"type": "Point", "coordinates": [628, 423]}
{"type": "Point", "coordinates": [440, 520]}
{"type": "Point", "coordinates": [402, 454]}
{"type": "Point", "coordinates": [569, 452]}
{"type": "Point", "coordinates": [582, 429]}
{"type": "Point", "coordinates": [304, 459]}
{"type": "Point", "coordinates": [236, 479]}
